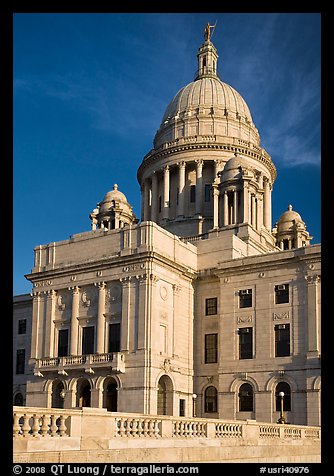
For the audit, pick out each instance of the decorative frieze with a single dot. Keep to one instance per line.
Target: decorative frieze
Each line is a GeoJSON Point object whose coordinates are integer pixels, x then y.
{"type": "Point", "coordinates": [281, 315]}
{"type": "Point", "coordinates": [134, 267]}
{"type": "Point", "coordinates": [48, 282]}
{"type": "Point", "coordinates": [244, 319]}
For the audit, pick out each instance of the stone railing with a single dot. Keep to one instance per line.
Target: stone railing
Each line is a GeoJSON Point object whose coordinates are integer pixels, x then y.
{"type": "Point", "coordinates": [30, 422]}
{"type": "Point", "coordinates": [114, 360]}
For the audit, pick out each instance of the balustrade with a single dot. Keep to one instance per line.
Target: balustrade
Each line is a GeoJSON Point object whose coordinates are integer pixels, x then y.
{"type": "Point", "coordinates": [74, 361]}
{"type": "Point", "coordinates": [32, 423]}
{"type": "Point", "coordinates": [37, 424]}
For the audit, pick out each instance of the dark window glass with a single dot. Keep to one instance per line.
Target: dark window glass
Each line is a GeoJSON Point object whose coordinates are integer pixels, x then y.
{"type": "Point", "coordinates": [20, 361]}
{"type": "Point", "coordinates": [207, 192]}
{"type": "Point", "coordinates": [246, 343]}
{"type": "Point", "coordinates": [22, 326]}
{"type": "Point", "coordinates": [192, 193]}
{"type": "Point", "coordinates": [281, 294]}
{"type": "Point", "coordinates": [285, 388]}
{"type": "Point", "coordinates": [210, 400]}
{"type": "Point", "coordinates": [210, 306]}
{"type": "Point", "coordinates": [159, 203]}
{"type": "Point", "coordinates": [182, 407]}
{"type": "Point", "coordinates": [282, 340]}
{"type": "Point", "coordinates": [114, 338]}
{"type": "Point", "coordinates": [211, 341]}
{"type": "Point", "coordinates": [245, 298]}
{"type": "Point", "coordinates": [88, 340]}
{"type": "Point", "coordinates": [246, 398]}
{"type": "Point", "coordinates": [63, 343]}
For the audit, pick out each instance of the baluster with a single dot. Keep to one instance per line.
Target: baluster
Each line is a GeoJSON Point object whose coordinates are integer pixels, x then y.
{"type": "Point", "coordinates": [156, 430]}
{"type": "Point", "coordinates": [45, 425]}
{"type": "Point", "coordinates": [62, 426]}
{"type": "Point", "coordinates": [54, 427]}
{"type": "Point", "coordinates": [26, 425]}
{"type": "Point", "coordinates": [145, 428]}
{"type": "Point", "coordinates": [35, 425]}
{"type": "Point", "coordinates": [16, 425]}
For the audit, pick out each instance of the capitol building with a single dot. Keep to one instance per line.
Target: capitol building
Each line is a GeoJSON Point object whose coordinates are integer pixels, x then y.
{"type": "Point", "coordinates": [202, 307]}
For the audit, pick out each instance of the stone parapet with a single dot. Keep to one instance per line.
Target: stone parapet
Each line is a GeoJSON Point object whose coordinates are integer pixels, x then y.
{"type": "Point", "coordinates": [78, 431]}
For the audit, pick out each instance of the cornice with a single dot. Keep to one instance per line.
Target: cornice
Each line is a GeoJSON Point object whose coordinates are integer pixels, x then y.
{"type": "Point", "coordinates": [176, 148]}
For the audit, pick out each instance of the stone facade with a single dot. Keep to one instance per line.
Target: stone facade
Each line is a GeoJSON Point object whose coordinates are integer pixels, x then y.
{"type": "Point", "coordinates": [201, 308]}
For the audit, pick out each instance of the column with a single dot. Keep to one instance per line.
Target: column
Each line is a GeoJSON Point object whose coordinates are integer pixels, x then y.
{"type": "Point", "coordinates": [259, 217]}
{"type": "Point", "coordinates": [253, 210]}
{"type": "Point", "coordinates": [245, 204]}
{"type": "Point", "coordinates": [36, 349]}
{"type": "Point", "coordinates": [100, 332]}
{"type": "Point", "coordinates": [199, 186]}
{"type": "Point", "coordinates": [266, 204]}
{"type": "Point", "coordinates": [182, 181]}
{"type": "Point", "coordinates": [155, 197]}
{"type": "Point", "coordinates": [217, 167]}
{"type": "Point", "coordinates": [146, 214]}
{"type": "Point", "coordinates": [215, 205]}
{"type": "Point", "coordinates": [225, 206]}
{"type": "Point", "coordinates": [165, 209]}
{"type": "Point", "coordinates": [235, 206]}
{"type": "Point", "coordinates": [74, 321]}
{"type": "Point", "coordinates": [143, 310]}
{"type": "Point", "coordinates": [125, 325]}
{"type": "Point", "coordinates": [312, 313]}
{"type": "Point", "coordinates": [49, 323]}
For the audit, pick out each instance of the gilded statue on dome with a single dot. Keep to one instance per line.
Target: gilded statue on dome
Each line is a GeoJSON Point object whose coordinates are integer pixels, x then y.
{"type": "Point", "coordinates": [207, 31]}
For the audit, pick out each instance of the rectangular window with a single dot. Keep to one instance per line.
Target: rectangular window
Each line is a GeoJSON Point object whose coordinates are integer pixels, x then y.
{"type": "Point", "coordinates": [192, 193]}
{"type": "Point", "coordinates": [63, 342]}
{"type": "Point", "coordinates": [20, 361]}
{"type": "Point", "coordinates": [159, 203]}
{"type": "Point", "coordinates": [246, 343]}
{"type": "Point", "coordinates": [177, 195]}
{"type": "Point", "coordinates": [182, 407]}
{"type": "Point", "coordinates": [114, 338]}
{"type": "Point", "coordinates": [281, 294]}
{"type": "Point", "coordinates": [211, 348]}
{"type": "Point", "coordinates": [211, 306]}
{"type": "Point", "coordinates": [245, 298]}
{"type": "Point", "coordinates": [207, 192]}
{"type": "Point", "coordinates": [282, 340]}
{"type": "Point", "coordinates": [88, 340]}
{"type": "Point", "coordinates": [22, 326]}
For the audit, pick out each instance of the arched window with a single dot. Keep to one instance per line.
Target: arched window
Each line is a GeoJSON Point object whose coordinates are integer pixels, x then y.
{"type": "Point", "coordinates": [110, 395]}
{"type": "Point", "coordinates": [210, 400]}
{"type": "Point", "coordinates": [18, 399]}
{"type": "Point", "coordinates": [165, 396]}
{"type": "Point", "coordinates": [83, 393]}
{"type": "Point", "coordinates": [57, 394]}
{"type": "Point", "coordinates": [285, 388]}
{"type": "Point", "coordinates": [246, 398]}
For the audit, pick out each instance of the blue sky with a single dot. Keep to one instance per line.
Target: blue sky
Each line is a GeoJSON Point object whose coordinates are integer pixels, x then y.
{"type": "Point", "coordinates": [90, 91]}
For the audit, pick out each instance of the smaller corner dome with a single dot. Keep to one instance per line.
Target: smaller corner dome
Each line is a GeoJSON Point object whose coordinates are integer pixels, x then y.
{"type": "Point", "coordinates": [232, 167]}
{"type": "Point", "coordinates": [112, 197]}
{"type": "Point", "coordinates": [288, 219]}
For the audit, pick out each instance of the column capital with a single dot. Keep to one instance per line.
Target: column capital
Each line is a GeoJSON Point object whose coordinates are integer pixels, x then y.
{"type": "Point", "coordinates": [313, 279]}
{"type": "Point", "coordinates": [199, 163]}
{"type": "Point", "coordinates": [125, 280]}
{"type": "Point", "coordinates": [75, 289]}
{"type": "Point", "coordinates": [165, 168]}
{"type": "Point", "coordinates": [181, 164]}
{"type": "Point", "coordinates": [142, 278]}
{"type": "Point", "coordinates": [101, 285]}
{"type": "Point", "coordinates": [154, 278]}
